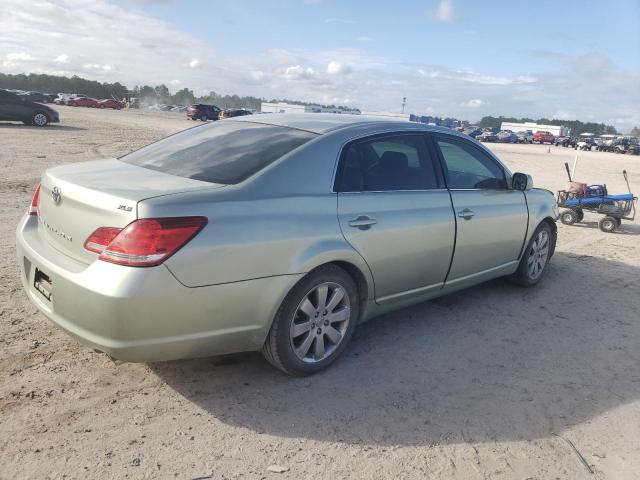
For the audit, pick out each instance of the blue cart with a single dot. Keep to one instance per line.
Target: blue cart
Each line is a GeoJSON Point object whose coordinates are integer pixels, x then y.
{"type": "Point", "coordinates": [615, 208]}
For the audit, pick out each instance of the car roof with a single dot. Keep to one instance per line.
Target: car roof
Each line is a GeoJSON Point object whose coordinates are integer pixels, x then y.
{"type": "Point", "coordinates": [326, 122]}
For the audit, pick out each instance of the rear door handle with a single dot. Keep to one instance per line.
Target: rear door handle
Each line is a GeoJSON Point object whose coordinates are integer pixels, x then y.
{"type": "Point", "coordinates": [467, 214]}
{"type": "Point", "coordinates": [363, 222]}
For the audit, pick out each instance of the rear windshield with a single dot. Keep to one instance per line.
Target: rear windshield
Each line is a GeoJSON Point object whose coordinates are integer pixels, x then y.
{"type": "Point", "coordinates": [224, 152]}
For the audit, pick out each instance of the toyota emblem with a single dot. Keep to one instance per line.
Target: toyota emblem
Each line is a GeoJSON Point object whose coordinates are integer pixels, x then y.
{"type": "Point", "coordinates": [56, 195]}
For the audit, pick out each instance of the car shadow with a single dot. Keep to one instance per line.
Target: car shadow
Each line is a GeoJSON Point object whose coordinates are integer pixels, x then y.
{"type": "Point", "coordinates": [51, 126]}
{"type": "Point", "coordinates": [493, 362]}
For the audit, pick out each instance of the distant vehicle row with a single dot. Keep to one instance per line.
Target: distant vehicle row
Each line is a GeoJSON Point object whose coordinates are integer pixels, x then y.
{"type": "Point", "coordinates": [205, 112]}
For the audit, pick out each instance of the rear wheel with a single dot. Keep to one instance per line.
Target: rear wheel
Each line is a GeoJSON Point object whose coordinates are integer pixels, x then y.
{"type": "Point", "coordinates": [568, 217]}
{"type": "Point", "coordinates": [39, 119]}
{"type": "Point", "coordinates": [204, 118]}
{"type": "Point", "coordinates": [536, 257]}
{"type": "Point", "coordinates": [580, 215]}
{"type": "Point", "coordinates": [608, 224]}
{"type": "Point", "coordinates": [314, 322]}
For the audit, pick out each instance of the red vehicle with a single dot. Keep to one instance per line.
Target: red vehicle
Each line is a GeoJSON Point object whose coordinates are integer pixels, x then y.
{"type": "Point", "coordinates": [83, 102]}
{"type": "Point", "coordinates": [203, 112]}
{"type": "Point", "coordinates": [543, 137]}
{"type": "Point", "coordinates": [110, 103]}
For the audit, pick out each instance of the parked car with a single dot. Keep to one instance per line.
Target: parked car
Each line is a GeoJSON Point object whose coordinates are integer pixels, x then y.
{"type": "Point", "coordinates": [525, 137]}
{"type": "Point", "coordinates": [244, 236]}
{"type": "Point", "coordinates": [64, 98]}
{"type": "Point", "coordinates": [562, 141]}
{"type": "Point", "coordinates": [38, 97]}
{"type": "Point", "coordinates": [473, 132]}
{"type": "Point", "coordinates": [203, 112]}
{"type": "Point", "coordinates": [234, 112]}
{"type": "Point", "coordinates": [487, 136]}
{"type": "Point", "coordinates": [506, 136]}
{"type": "Point", "coordinates": [19, 109]}
{"type": "Point", "coordinates": [543, 137]}
{"type": "Point", "coordinates": [83, 102]}
{"type": "Point", "coordinates": [607, 143]}
{"type": "Point", "coordinates": [628, 145]}
{"type": "Point", "coordinates": [110, 103]}
{"type": "Point", "coordinates": [586, 141]}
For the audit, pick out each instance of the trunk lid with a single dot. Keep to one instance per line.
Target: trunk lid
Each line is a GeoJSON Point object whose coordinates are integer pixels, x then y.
{"type": "Point", "coordinates": [76, 199]}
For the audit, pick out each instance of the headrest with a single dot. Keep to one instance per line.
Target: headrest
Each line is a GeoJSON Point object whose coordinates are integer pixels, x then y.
{"type": "Point", "coordinates": [394, 160]}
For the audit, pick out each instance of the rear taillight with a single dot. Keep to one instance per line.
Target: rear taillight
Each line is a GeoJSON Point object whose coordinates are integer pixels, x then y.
{"type": "Point", "coordinates": [35, 201]}
{"type": "Point", "coordinates": [101, 238]}
{"type": "Point", "coordinates": [146, 242]}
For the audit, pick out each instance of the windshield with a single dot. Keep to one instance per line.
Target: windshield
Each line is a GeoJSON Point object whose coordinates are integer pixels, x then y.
{"type": "Point", "coordinates": [226, 152]}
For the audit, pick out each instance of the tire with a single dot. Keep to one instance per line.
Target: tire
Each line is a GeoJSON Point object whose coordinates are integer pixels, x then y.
{"type": "Point", "coordinates": [608, 224]}
{"type": "Point", "coordinates": [204, 118]}
{"type": "Point", "coordinates": [569, 217]}
{"type": "Point", "coordinates": [39, 119]}
{"type": "Point", "coordinates": [618, 221]}
{"type": "Point", "coordinates": [193, 118]}
{"type": "Point", "coordinates": [580, 215]}
{"type": "Point", "coordinates": [536, 257]}
{"type": "Point", "coordinates": [301, 354]}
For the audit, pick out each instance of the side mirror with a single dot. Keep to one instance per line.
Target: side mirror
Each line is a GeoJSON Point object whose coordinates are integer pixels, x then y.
{"type": "Point", "coordinates": [521, 181]}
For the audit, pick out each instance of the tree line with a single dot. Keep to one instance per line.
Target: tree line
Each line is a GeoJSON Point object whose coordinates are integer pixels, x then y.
{"type": "Point", "coordinates": [161, 94]}
{"type": "Point", "coordinates": [577, 127]}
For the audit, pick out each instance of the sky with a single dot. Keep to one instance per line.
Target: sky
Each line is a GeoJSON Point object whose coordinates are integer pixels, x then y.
{"type": "Point", "coordinates": [567, 59]}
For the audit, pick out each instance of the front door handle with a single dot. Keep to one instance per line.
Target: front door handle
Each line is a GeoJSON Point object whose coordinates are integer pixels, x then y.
{"type": "Point", "coordinates": [467, 214]}
{"type": "Point", "coordinates": [363, 222]}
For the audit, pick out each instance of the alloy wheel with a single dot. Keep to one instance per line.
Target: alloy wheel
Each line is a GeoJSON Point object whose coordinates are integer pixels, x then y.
{"type": "Point", "coordinates": [40, 119]}
{"type": "Point", "coordinates": [320, 322]}
{"type": "Point", "coordinates": [538, 254]}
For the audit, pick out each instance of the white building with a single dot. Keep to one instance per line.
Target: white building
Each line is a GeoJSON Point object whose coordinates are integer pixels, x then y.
{"type": "Point", "coordinates": [536, 127]}
{"type": "Point", "coordinates": [282, 107]}
{"type": "Point", "coordinates": [389, 115]}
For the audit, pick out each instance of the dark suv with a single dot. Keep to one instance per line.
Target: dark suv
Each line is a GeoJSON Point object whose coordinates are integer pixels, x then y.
{"type": "Point", "coordinates": [203, 112]}
{"type": "Point", "coordinates": [20, 109]}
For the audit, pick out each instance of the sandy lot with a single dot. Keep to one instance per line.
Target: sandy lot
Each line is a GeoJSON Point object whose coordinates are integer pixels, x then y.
{"type": "Point", "coordinates": [495, 382]}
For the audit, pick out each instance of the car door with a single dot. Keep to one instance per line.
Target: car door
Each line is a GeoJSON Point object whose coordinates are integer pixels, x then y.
{"type": "Point", "coordinates": [394, 210]}
{"type": "Point", "coordinates": [10, 106]}
{"type": "Point", "coordinates": [491, 218]}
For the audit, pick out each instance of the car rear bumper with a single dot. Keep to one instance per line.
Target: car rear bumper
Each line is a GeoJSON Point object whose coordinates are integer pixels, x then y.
{"type": "Point", "coordinates": [145, 314]}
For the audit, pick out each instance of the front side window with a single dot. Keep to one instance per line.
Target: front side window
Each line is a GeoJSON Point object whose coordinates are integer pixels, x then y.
{"type": "Point", "coordinates": [467, 167]}
{"type": "Point", "coordinates": [395, 162]}
{"type": "Point", "coordinates": [225, 152]}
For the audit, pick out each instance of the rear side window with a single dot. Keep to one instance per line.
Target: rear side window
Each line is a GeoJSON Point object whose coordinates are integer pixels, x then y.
{"type": "Point", "coordinates": [224, 152]}
{"type": "Point", "coordinates": [467, 167]}
{"type": "Point", "coordinates": [379, 164]}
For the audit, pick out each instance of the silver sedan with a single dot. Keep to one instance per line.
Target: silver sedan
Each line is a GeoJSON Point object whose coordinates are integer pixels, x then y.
{"type": "Point", "coordinates": [277, 233]}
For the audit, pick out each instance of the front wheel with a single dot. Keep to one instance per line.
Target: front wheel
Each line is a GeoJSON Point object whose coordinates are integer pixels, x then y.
{"type": "Point", "coordinates": [608, 224]}
{"type": "Point", "coordinates": [536, 257]}
{"type": "Point", "coordinates": [314, 322]}
{"type": "Point", "coordinates": [204, 118]}
{"type": "Point", "coordinates": [569, 217]}
{"type": "Point", "coordinates": [39, 119]}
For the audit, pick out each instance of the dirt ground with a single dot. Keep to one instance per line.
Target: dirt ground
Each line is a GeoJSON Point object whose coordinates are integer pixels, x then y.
{"type": "Point", "coordinates": [493, 382]}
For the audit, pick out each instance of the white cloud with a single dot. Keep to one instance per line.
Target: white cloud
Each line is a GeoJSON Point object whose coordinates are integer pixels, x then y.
{"type": "Point", "coordinates": [195, 63]}
{"type": "Point", "coordinates": [364, 39]}
{"type": "Point", "coordinates": [62, 58]}
{"type": "Point", "coordinates": [19, 57]}
{"type": "Point", "coordinates": [336, 68]}
{"type": "Point", "coordinates": [99, 43]}
{"type": "Point", "coordinates": [297, 72]}
{"type": "Point", "coordinates": [473, 103]}
{"type": "Point", "coordinates": [445, 11]}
